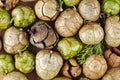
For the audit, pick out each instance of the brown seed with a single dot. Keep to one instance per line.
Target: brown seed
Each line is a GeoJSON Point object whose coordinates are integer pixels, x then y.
{"type": "Point", "coordinates": [71, 68]}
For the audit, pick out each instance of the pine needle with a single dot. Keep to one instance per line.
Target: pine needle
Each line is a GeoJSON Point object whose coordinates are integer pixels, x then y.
{"type": "Point", "coordinates": [89, 50]}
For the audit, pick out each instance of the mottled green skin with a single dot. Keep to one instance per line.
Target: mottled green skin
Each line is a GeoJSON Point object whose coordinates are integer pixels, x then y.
{"type": "Point", "coordinates": [23, 16]}
{"type": "Point", "coordinates": [61, 78]}
{"type": "Point", "coordinates": [71, 3]}
{"type": "Point", "coordinates": [6, 63]}
{"type": "Point", "coordinates": [118, 1]}
{"type": "Point", "coordinates": [84, 79]}
{"type": "Point", "coordinates": [111, 7]}
{"type": "Point", "coordinates": [4, 19]}
{"type": "Point", "coordinates": [69, 47]}
{"type": "Point", "coordinates": [24, 62]}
